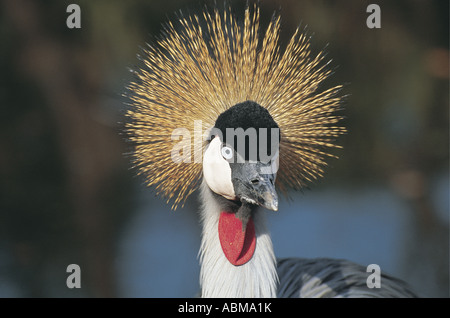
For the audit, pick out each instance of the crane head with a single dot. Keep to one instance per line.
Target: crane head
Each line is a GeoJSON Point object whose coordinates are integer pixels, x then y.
{"type": "Point", "coordinates": [203, 65]}
{"type": "Point", "coordinates": [241, 160]}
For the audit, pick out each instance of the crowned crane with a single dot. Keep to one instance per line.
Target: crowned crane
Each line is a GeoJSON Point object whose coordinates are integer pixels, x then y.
{"type": "Point", "coordinates": [219, 107]}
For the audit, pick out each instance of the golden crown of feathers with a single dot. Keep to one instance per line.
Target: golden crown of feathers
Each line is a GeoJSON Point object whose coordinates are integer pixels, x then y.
{"type": "Point", "coordinates": [212, 62]}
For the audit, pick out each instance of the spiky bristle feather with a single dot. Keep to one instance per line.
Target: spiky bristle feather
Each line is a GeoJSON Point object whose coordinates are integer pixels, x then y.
{"type": "Point", "coordinates": [210, 63]}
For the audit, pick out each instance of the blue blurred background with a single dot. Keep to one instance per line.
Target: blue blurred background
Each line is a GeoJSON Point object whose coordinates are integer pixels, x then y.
{"type": "Point", "coordinates": [68, 195]}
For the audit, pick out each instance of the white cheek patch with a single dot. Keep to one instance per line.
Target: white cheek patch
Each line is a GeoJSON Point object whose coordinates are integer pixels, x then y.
{"type": "Point", "coordinates": [217, 171]}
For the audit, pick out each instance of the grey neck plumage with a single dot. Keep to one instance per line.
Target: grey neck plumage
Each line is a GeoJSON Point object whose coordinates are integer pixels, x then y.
{"type": "Point", "coordinates": [218, 277]}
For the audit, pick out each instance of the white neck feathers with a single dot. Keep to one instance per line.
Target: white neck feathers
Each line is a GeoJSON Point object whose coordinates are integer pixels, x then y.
{"type": "Point", "coordinates": [218, 277]}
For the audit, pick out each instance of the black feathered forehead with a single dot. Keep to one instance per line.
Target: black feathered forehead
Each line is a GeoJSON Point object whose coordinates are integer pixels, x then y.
{"type": "Point", "coordinates": [250, 123]}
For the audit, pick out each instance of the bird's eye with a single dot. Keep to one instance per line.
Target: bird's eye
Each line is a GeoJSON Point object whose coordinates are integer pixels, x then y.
{"type": "Point", "coordinates": [227, 152]}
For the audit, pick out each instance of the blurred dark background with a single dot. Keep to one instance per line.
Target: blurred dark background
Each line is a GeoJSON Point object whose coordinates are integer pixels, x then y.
{"type": "Point", "coordinates": [68, 195]}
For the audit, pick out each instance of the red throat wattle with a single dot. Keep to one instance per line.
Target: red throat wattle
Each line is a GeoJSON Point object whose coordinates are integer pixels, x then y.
{"type": "Point", "coordinates": [237, 245]}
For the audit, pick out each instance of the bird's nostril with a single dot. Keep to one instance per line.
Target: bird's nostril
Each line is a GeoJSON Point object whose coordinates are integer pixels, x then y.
{"type": "Point", "coordinates": [254, 181]}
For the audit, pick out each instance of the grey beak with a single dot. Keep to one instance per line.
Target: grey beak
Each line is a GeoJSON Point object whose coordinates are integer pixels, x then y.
{"type": "Point", "coordinates": [252, 186]}
{"type": "Point", "coordinates": [265, 189]}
